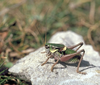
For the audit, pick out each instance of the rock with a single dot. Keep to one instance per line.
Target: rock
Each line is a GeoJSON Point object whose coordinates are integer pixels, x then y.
{"type": "Point", "coordinates": [29, 67]}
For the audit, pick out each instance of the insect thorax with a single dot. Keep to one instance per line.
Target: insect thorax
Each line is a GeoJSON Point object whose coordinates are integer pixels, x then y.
{"type": "Point", "coordinates": [75, 59]}
{"type": "Point", "coordinates": [50, 52]}
{"type": "Point", "coordinates": [53, 45]}
{"type": "Point", "coordinates": [50, 48]}
{"type": "Point", "coordinates": [57, 55]}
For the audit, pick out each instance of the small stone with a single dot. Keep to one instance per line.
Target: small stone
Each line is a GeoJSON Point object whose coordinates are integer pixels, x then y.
{"type": "Point", "coordinates": [29, 67]}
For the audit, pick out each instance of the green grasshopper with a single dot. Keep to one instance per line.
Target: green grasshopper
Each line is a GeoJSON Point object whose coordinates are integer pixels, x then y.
{"type": "Point", "coordinates": [64, 54]}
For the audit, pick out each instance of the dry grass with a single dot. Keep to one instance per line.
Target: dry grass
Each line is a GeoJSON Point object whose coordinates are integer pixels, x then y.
{"type": "Point", "coordinates": [23, 24]}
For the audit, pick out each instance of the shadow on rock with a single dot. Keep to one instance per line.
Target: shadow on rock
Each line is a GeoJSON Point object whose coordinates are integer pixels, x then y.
{"type": "Point", "coordinates": [83, 64]}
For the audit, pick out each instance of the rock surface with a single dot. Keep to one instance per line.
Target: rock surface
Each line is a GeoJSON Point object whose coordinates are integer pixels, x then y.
{"type": "Point", "coordinates": [29, 67]}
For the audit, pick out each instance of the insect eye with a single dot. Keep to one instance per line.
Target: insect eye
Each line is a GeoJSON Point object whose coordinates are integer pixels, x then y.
{"type": "Point", "coordinates": [46, 46]}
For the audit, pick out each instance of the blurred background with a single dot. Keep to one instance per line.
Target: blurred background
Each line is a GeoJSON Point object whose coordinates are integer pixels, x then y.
{"type": "Point", "coordinates": [26, 24]}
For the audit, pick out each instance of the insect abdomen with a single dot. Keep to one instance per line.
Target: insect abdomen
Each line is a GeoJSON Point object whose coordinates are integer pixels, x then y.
{"type": "Point", "coordinates": [75, 59]}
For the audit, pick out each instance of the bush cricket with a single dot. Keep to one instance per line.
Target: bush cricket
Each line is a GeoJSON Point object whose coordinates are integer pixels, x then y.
{"type": "Point", "coordinates": [64, 54]}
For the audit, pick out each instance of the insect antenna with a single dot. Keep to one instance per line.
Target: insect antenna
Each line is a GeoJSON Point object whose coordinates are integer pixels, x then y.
{"type": "Point", "coordinates": [43, 40]}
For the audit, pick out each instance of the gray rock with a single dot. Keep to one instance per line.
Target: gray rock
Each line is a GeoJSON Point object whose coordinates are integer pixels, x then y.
{"type": "Point", "coordinates": [29, 67]}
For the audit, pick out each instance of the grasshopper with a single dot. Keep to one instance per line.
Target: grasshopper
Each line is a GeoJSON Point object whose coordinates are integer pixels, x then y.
{"type": "Point", "coordinates": [64, 54]}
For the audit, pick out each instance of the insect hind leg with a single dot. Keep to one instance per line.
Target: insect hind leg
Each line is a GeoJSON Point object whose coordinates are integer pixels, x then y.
{"type": "Point", "coordinates": [80, 61]}
{"type": "Point", "coordinates": [65, 58]}
{"type": "Point", "coordinates": [79, 44]}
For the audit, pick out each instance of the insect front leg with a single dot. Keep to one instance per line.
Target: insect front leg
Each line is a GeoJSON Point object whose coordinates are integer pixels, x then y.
{"type": "Point", "coordinates": [47, 58]}
{"type": "Point", "coordinates": [79, 44]}
{"type": "Point", "coordinates": [45, 61]}
{"type": "Point", "coordinates": [43, 52]}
